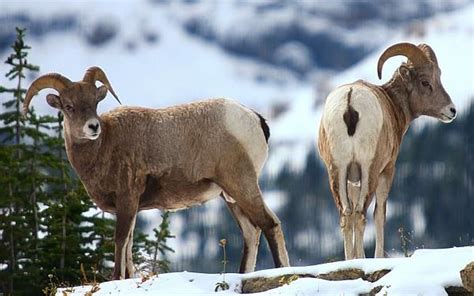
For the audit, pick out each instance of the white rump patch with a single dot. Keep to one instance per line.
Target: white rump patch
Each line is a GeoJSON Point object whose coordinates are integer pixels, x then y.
{"type": "Point", "coordinates": [244, 125]}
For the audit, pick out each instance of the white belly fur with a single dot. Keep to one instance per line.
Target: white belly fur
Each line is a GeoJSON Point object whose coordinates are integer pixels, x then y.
{"type": "Point", "coordinates": [362, 145]}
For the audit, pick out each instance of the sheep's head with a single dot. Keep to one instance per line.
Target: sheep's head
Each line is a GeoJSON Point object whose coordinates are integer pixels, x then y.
{"type": "Point", "coordinates": [76, 100]}
{"type": "Point", "coordinates": [422, 78]}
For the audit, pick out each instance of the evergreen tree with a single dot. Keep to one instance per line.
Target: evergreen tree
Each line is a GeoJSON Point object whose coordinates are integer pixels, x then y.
{"type": "Point", "coordinates": [19, 178]}
{"type": "Point", "coordinates": [159, 246]}
{"type": "Point", "coordinates": [44, 229]}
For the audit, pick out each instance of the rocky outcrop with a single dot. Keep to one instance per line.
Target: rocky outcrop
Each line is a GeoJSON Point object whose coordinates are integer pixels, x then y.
{"type": "Point", "coordinates": [467, 277]}
{"type": "Point", "coordinates": [343, 274]}
{"type": "Point", "coordinates": [261, 284]}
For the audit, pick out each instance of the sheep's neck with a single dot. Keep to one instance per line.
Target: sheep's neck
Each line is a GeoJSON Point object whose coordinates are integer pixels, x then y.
{"type": "Point", "coordinates": [399, 96]}
{"type": "Point", "coordinates": [85, 154]}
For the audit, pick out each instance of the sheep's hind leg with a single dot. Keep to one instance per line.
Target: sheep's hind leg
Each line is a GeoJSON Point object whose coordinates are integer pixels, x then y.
{"type": "Point", "coordinates": [241, 183]}
{"type": "Point", "coordinates": [359, 228]}
{"type": "Point", "coordinates": [381, 194]}
{"type": "Point", "coordinates": [338, 185]}
{"type": "Point", "coordinates": [368, 185]}
{"type": "Point", "coordinates": [343, 196]}
{"type": "Point", "coordinates": [263, 217]}
{"type": "Point", "coordinates": [347, 229]}
{"type": "Point", "coordinates": [251, 237]}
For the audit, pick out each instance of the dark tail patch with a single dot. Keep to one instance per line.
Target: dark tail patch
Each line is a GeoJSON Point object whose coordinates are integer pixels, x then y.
{"type": "Point", "coordinates": [264, 125]}
{"type": "Point", "coordinates": [351, 116]}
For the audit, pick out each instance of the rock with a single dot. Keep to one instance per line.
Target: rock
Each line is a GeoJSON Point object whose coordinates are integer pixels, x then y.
{"type": "Point", "coordinates": [343, 274]}
{"type": "Point", "coordinates": [261, 284]}
{"type": "Point", "coordinates": [457, 291]}
{"type": "Point", "coordinates": [372, 292]}
{"type": "Point", "coordinates": [376, 275]}
{"type": "Point", "coordinates": [467, 277]}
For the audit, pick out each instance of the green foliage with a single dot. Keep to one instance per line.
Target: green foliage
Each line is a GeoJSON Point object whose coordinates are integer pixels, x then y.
{"type": "Point", "coordinates": [159, 245]}
{"type": "Point", "coordinates": [51, 235]}
{"type": "Point", "coordinates": [19, 178]}
{"type": "Point", "coordinates": [42, 204]}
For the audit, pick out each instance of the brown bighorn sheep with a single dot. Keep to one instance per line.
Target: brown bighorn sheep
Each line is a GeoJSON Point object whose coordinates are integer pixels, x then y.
{"type": "Point", "coordinates": [133, 158]}
{"type": "Point", "coordinates": [361, 131]}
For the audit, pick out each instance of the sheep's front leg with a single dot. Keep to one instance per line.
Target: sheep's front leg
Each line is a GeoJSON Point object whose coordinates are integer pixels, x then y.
{"type": "Point", "coordinates": [381, 195]}
{"type": "Point", "coordinates": [129, 260]}
{"type": "Point", "coordinates": [123, 228]}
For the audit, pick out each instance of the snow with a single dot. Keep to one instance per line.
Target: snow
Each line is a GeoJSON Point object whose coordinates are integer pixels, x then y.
{"type": "Point", "coordinates": [426, 272]}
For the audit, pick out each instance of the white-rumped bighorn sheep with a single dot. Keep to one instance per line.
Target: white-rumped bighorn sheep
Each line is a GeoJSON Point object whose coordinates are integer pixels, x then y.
{"type": "Point", "coordinates": [361, 130]}
{"type": "Point", "coordinates": [133, 158]}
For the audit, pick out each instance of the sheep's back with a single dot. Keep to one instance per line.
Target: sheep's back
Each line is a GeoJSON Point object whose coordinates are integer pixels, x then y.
{"type": "Point", "coordinates": [195, 134]}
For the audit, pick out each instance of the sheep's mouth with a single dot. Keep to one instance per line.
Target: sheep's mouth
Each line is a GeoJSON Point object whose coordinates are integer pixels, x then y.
{"type": "Point", "coordinates": [446, 118]}
{"type": "Point", "coordinates": [93, 136]}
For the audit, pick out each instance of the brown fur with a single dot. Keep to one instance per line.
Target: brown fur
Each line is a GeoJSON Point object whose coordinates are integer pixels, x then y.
{"type": "Point", "coordinates": [169, 159]}
{"type": "Point", "coordinates": [410, 93]}
{"type": "Point", "coordinates": [166, 159]}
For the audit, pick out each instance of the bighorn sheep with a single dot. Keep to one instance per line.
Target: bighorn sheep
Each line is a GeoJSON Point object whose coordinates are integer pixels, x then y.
{"type": "Point", "coordinates": [361, 131]}
{"type": "Point", "coordinates": [133, 158]}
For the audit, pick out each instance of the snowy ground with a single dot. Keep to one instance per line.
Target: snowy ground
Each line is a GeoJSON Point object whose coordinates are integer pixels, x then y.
{"type": "Point", "coordinates": [426, 272]}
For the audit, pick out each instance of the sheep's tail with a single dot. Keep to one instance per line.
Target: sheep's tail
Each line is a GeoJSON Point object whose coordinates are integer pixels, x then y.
{"type": "Point", "coordinates": [353, 181]}
{"type": "Point", "coordinates": [265, 127]}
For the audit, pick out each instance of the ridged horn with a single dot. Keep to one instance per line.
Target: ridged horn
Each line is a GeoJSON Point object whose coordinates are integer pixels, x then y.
{"type": "Point", "coordinates": [412, 52]}
{"type": "Point", "coordinates": [94, 74]}
{"type": "Point", "coordinates": [52, 80]}
{"type": "Point", "coordinates": [428, 52]}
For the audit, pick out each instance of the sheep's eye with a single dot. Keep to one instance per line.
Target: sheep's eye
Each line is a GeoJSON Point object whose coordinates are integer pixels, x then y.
{"type": "Point", "coordinates": [425, 83]}
{"type": "Point", "coordinates": [69, 108]}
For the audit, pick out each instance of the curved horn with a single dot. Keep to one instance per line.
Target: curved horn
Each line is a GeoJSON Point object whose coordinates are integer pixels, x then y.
{"type": "Point", "coordinates": [53, 80]}
{"type": "Point", "coordinates": [413, 53]}
{"type": "Point", "coordinates": [94, 74]}
{"type": "Point", "coordinates": [428, 51]}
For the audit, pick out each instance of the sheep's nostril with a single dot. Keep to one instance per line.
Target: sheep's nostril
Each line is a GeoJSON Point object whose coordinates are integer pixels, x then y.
{"type": "Point", "coordinates": [94, 127]}
{"type": "Point", "coordinates": [453, 111]}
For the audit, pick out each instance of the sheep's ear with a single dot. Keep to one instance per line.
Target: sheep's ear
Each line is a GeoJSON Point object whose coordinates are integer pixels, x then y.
{"type": "Point", "coordinates": [101, 93]}
{"type": "Point", "coordinates": [53, 101]}
{"type": "Point", "coordinates": [404, 73]}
